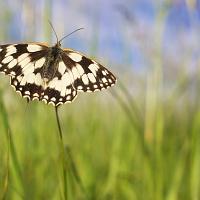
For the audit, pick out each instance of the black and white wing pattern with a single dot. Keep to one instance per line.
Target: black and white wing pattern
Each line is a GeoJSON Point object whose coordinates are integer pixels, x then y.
{"type": "Point", "coordinates": [23, 63]}
{"type": "Point", "coordinates": [51, 74]}
{"type": "Point", "coordinates": [14, 57]}
{"type": "Point", "coordinates": [87, 74]}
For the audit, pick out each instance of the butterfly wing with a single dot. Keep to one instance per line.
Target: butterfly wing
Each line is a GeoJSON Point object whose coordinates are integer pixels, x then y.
{"type": "Point", "coordinates": [86, 74]}
{"type": "Point", "coordinates": [23, 63]}
{"type": "Point", "coordinates": [14, 57]}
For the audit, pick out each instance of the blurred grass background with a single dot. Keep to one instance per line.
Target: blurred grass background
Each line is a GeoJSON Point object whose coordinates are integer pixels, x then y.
{"type": "Point", "coordinates": [138, 140]}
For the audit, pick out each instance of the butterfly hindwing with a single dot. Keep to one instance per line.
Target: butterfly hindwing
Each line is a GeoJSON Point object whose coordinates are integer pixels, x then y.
{"type": "Point", "coordinates": [56, 93]}
{"type": "Point", "coordinates": [60, 89]}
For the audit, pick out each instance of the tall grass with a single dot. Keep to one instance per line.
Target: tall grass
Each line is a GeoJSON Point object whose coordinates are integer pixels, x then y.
{"type": "Point", "coordinates": [114, 156]}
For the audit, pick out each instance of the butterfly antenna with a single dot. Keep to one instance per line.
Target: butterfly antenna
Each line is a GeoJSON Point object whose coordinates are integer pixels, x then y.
{"type": "Point", "coordinates": [54, 31]}
{"type": "Point", "coordinates": [70, 34]}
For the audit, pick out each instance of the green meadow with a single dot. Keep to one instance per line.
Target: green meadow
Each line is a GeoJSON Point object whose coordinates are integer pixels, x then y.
{"type": "Point", "coordinates": [117, 145]}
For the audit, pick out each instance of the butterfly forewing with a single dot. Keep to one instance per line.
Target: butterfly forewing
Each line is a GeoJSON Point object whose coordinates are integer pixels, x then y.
{"type": "Point", "coordinates": [51, 74]}
{"type": "Point", "coordinates": [87, 74]}
{"type": "Point", "coordinates": [14, 57]}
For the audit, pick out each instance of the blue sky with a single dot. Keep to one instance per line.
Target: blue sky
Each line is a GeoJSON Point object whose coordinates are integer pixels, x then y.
{"type": "Point", "coordinates": [120, 32]}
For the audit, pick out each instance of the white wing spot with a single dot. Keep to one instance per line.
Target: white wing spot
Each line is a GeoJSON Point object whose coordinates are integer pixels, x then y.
{"type": "Point", "coordinates": [38, 79]}
{"type": "Point", "coordinates": [54, 83]}
{"type": "Point", "coordinates": [24, 62]}
{"type": "Point", "coordinates": [75, 56]}
{"type": "Point", "coordinates": [21, 57]}
{"type": "Point", "coordinates": [39, 63]}
{"type": "Point", "coordinates": [104, 73]}
{"type": "Point", "coordinates": [19, 78]}
{"type": "Point", "coordinates": [28, 69]}
{"type": "Point", "coordinates": [88, 89]}
{"type": "Point", "coordinates": [1, 50]}
{"type": "Point", "coordinates": [27, 92]}
{"type": "Point", "coordinates": [7, 59]}
{"type": "Point", "coordinates": [80, 69]}
{"type": "Point", "coordinates": [12, 63]}
{"type": "Point", "coordinates": [104, 80]}
{"type": "Point", "coordinates": [85, 79]}
{"type": "Point", "coordinates": [30, 78]}
{"type": "Point", "coordinates": [66, 79]}
{"type": "Point", "coordinates": [13, 73]}
{"type": "Point", "coordinates": [68, 97]}
{"type": "Point", "coordinates": [46, 97]}
{"type": "Point", "coordinates": [33, 48]}
{"type": "Point", "coordinates": [15, 83]}
{"type": "Point", "coordinates": [10, 50]}
{"type": "Point", "coordinates": [68, 91]}
{"type": "Point", "coordinates": [91, 77]}
{"type": "Point", "coordinates": [75, 73]}
{"type": "Point", "coordinates": [110, 80]}
{"type": "Point", "coordinates": [58, 85]}
{"type": "Point", "coordinates": [53, 99]}
{"type": "Point", "coordinates": [93, 68]}
{"type": "Point", "coordinates": [23, 81]}
{"type": "Point", "coordinates": [63, 89]}
{"type": "Point", "coordinates": [80, 87]}
{"type": "Point", "coordinates": [61, 67]}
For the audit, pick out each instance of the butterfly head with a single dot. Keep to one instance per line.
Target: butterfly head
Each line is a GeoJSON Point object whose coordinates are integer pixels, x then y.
{"type": "Point", "coordinates": [58, 44]}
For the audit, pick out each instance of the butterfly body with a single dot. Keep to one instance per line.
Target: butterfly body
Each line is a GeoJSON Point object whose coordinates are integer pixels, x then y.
{"type": "Point", "coordinates": [52, 74]}
{"type": "Point", "coordinates": [50, 67]}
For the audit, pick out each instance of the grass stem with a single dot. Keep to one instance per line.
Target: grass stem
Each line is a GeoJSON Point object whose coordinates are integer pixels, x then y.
{"type": "Point", "coordinates": [62, 149]}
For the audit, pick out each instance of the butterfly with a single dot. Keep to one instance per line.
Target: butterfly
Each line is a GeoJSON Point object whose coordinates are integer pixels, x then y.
{"type": "Point", "coordinates": [50, 73]}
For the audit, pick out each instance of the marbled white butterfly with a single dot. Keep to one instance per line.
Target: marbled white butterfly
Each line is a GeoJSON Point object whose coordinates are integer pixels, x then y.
{"type": "Point", "coordinates": [52, 74]}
